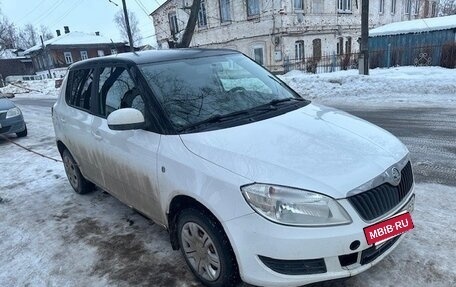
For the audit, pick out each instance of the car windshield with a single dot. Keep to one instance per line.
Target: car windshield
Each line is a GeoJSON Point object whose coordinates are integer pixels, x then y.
{"type": "Point", "coordinates": [193, 91]}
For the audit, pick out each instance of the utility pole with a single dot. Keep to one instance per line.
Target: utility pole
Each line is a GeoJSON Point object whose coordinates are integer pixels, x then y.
{"type": "Point", "coordinates": [127, 23]}
{"type": "Point", "coordinates": [46, 57]}
{"type": "Point", "coordinates": [364, 59]}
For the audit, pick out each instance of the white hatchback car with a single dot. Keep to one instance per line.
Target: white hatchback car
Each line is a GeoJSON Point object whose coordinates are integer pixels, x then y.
{"type": "Point", "coordinates": [252, 181]}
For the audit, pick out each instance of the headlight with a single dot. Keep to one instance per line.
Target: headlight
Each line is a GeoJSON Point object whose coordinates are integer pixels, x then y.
{"type": "Point", "coordinates": [14, 112]}
{"type": "Point", "coordinates": [291, 206]}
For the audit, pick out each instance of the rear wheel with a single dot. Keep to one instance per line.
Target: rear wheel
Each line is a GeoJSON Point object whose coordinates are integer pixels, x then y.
{"type": "Point", "coordinates": [77, 181]}
{"type": "Point", "coordinates": [206, 249]}
{"type": "Point", "coordinates": [22, 133]}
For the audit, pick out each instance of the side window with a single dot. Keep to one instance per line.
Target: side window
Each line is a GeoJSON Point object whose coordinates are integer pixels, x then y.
{"type": "Point", "coordinates": [80, 89]}
{"type": "Point", "coordinates": [117, 90]}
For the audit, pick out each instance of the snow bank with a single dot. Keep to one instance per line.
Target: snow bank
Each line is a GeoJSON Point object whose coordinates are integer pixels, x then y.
{"type": "Point", "coordinates": [419, 86]}
{"type": "Point", "coordinates": [32, 89]}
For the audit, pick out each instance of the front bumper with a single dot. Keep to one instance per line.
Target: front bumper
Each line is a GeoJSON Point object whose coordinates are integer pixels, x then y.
{"type": "Point", "coordinates": [261, 246]}
{"type": "Point", "coordinates": [12, 125]}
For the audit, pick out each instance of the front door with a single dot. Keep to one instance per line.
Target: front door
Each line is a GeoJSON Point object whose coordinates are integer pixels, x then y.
{"type": "Point", "coordinates": [127, 159]}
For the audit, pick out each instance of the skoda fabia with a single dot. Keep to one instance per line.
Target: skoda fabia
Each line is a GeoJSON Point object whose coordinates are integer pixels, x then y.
{"type": "Point", "coordinates": [252, 181]}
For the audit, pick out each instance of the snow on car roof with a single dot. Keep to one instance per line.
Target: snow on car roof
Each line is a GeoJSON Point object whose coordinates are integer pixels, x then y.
{"type": "Point", "coordinates": [415, 26]}
{"type": "Point", "coordinates": [72, 38]}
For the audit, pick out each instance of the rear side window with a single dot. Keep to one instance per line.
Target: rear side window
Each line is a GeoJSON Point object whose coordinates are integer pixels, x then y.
{"type": "Point", "coordinates": [79, 90]}
{"type": "Point", "coordinates": [117, 90]}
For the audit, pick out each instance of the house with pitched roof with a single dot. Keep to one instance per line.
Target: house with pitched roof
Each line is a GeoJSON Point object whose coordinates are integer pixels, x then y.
{"type": "Point", "coordinates": [52, 57]}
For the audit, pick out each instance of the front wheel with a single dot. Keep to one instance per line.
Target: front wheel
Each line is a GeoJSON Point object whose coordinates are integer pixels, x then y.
{"type": "Point", "coordinates": [77, 181]}
{"type": "Point", "coordinates": [206, 249]}
{"type": "Point", "coordinates": [22, 133]}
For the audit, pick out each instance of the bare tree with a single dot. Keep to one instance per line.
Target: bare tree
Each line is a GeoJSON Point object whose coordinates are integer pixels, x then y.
{"type": "Point", "coordinates": [119, 19]}
{"type": "Point", "coordinates": [448, 7]}
{"type": "Point", "coordinates": [46, 32]}
{"type": "Point", "coordinates": [8, 34]}
{"type": "Point", "coordinates": [189, 28]}
{"type": "Point", "coordinates": [28, 37]}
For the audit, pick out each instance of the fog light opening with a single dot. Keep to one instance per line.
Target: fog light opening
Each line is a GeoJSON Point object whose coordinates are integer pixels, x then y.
{"type": "Point", "coordinates": [355, 245]}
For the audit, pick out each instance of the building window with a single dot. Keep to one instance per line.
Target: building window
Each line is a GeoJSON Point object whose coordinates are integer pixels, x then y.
{"type": "Point", "coordinates": [84, 55]}
{"type": "Point", "coordinates": [340, 46]}
{"type": "Point", "coordinates": [381, 9]}
{"type": "Point", "coordinates": [298, 4]}
{"type": "Point", "coordinates": [258, 54]}
{"type": "Point", "coordinates": [253, 8]}
{"type": "Point", "coordinates": [113, 51]}
{"type": "Point", "coordinates": [68, 57]}
{"type": "Point", "coordinates": [348, 45]}
{"type": "Point", "coordinates": [172, 18]}
{"type": "Point", "coordinates": [426, 8]}
{"type": "Point", "coordinates": [434, 9]}
{"type": "Point", "coordinates": [318, 6]}
{"type": "Point", "coordinates": [417, 7]}
{"type": "Point", "coordinates": [100, 53]}
{"type": "Point", "coordinates": [202, 19]}
{"type": "Point", "coordinates": [393, 6]}
{"type": "Point", "coordinates": [299, 50]}
{"type": "Point", "coordinates": [408, 6]}
{"type": "Point", "coordinates": [316, 45]}
{"type": "Point", "coordinates": [344, 6]}
{"type": "Point", "coordinates": [225, 11]}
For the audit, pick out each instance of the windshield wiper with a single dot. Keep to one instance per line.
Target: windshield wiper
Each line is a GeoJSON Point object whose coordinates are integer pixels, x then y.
{"type": "Point", "coordinates": [217, 118]}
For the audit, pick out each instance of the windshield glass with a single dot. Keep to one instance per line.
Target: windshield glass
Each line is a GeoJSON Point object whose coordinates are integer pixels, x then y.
{"type": "Point", "coordinates": [195, 90]}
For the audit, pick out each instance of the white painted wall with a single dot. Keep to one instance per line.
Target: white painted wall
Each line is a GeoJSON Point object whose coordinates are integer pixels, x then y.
{"type": "Point", "coordinates": [278, 19]}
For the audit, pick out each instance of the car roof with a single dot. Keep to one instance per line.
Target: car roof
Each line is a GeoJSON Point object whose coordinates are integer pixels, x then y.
{"type": "Point", "coordinates": [152, 56]}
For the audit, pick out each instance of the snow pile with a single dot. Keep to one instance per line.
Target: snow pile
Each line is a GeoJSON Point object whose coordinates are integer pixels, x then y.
{"type": "Point", "coordinates": [422, 86]}
{"type": "Point", "coordinates": [32, 89]}
{"type": "Point", "coordinates": [415, 26]}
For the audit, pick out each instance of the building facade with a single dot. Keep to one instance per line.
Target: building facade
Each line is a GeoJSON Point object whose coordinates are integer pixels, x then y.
{"type": "Point", "coordinates": [277, 32]}
{"type": "Point", "coordinates": [52, 58]}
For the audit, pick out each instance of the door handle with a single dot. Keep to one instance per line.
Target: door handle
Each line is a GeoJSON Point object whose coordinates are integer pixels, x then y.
{"type": "Point", "coordinates": [62, 120]}
{"type": "Point", "coordinates": [96, 135]}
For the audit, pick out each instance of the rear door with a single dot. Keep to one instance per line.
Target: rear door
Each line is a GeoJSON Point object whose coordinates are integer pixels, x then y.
{"type": "Point", "coordinates": [76, 119]}
{"type": "Point", "coordinates": [127, 159]}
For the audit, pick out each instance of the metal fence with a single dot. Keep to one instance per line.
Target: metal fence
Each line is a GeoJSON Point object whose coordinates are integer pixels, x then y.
{"type": "Point", "coordinates": [325, 64]}
{"type": "Point", "coordinates": [427, 55]}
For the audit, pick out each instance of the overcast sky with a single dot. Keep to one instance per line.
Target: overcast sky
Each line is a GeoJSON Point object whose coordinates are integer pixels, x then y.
{"type": "Point", "coordinates": [80, 15]}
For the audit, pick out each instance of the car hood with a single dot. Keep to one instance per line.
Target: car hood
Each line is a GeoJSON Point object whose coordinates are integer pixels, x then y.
{"type": "Point", "coordinates": [314, 148]}
{"type": "Point", "coordinates": [6, 104]}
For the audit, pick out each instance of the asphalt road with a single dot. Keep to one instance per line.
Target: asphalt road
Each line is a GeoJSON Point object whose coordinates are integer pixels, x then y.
{"type": "Point", "coordinates": [429, 134]}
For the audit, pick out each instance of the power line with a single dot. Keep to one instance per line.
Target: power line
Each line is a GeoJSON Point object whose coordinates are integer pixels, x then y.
{"type": "Point", "coordinates": [31, 11]}
{"type": "Point", "coordinates": [67, 12]}
{"type": "Point", "coordinates": [47, 13]}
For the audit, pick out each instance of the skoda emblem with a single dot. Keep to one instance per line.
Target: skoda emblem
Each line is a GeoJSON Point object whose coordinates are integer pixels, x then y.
{"type": "Point", "coordinates": [395, 176]}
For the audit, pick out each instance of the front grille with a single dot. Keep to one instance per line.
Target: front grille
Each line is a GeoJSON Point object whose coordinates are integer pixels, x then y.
{"type": "Point", "coordinates": [376, 202]}
{"type": "Point", "coordinates": [295, 267]}
{"type": "Point", "coordinates": [3, 116]}
{"type": "Point", "coordinates": [372, 253]}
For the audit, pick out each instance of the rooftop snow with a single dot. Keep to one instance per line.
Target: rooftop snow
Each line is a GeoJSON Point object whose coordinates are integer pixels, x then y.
{"type": "Point", "coordinates": [415, 26]}
{"type": "Point", "coordinates": [72, 38]}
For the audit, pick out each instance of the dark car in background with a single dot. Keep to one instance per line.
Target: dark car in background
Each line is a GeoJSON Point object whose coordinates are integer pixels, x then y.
{"type": "Point", "coordinates": [11, 119]}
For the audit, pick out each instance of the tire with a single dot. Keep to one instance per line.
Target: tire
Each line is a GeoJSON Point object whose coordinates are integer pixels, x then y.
{"type": "Point", "coordinates": [22, 133]}
{"type": "Point", "coordinates": [77, 181]}
{"type": "Point", "coordinates": [199, 228]}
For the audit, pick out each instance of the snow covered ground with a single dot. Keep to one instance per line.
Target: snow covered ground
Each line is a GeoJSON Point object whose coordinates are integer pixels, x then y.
{"type": "Point", "coordinates": [44, 89]}
{"type": "Point", "coordinates": [402, 86]}
{"type": "Point", "coordinates": [51, 236]}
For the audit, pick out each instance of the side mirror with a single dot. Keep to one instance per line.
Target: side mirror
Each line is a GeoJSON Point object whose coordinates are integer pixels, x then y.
{"type": "Point", "coordinates": [126, 119]}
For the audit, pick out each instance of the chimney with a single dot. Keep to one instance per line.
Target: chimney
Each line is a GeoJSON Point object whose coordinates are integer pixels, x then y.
{"type": "Point", "coordinates": [67, 29]}
{"type": "Point", "coordinates": [58, 32]}
{"type": "Point", "coordinates": [97, 33]}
